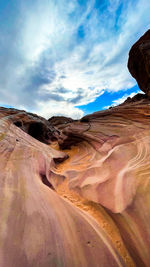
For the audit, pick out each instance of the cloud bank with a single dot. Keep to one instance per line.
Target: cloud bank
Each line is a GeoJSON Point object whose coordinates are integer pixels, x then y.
{"type": "Point", "coordinates": [56, 55]}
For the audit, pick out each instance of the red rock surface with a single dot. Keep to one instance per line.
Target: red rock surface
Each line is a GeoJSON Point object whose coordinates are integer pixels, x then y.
{"type": "Point", "coordinates": [37, 226]}
{"type": "Point", "coordinates": [111, 167]}
{"type": "Point", "coordinates": [139, 62]}
{"type": "Point", "coordinates": [59, 120]}
{"type": "Point", "coordinates": [34, 125]}
{"type": "Point", "coordinates": [90, 207]}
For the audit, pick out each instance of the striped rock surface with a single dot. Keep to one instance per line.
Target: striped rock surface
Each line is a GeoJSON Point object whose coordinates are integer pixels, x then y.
{"type": "Point", "coordinates": [37, 226]}
{"type": "Point", "coordinates": [111, 167]}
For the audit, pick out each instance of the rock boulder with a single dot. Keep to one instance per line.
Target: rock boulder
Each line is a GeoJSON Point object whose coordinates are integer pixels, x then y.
{"type": "Point", "coordinates": [139, 62]}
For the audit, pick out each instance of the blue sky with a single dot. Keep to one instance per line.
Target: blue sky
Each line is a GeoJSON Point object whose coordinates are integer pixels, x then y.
{"type": "Point", "coordinates": [60, 57]}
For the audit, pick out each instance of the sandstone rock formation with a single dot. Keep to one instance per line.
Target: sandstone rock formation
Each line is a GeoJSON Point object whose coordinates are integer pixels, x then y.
{"type": "Point", "coordinates": [37, 226]}
{"type": "Point", "coordinates": [111, 167]}
{"type": "Point", "coordinates": [59, 120]}
{"type": "Point", "coordinates": [83, 198]}
{"type": "Point", "coordinates": [32, 124]}
{"type": "Point", "coordinates": [139, 62]}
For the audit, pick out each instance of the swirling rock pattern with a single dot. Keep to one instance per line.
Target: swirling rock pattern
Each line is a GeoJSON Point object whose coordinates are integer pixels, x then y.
{"type": "Point", "coordinates": [111, 167]}
{"type": "Point", "coordinates": [37, 226]}
{"type": "Point", "coordinates": [108, 165]}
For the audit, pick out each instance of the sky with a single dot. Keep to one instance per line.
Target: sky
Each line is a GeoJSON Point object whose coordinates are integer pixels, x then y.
{"type": "Point", "coordinates": [60, 57]}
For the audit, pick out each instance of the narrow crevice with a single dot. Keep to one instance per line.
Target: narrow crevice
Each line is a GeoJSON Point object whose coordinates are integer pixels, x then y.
{"type": "Point", "coordinates": [60, 160]}
{"type": "Point", "coordinates": [18, 124]}
{"type": "Point", "coordinates": [46, 182]}
{"type": "Point", "coordinates": [36, 130]}
{"type": "Point", "coordinates": [69, 141]}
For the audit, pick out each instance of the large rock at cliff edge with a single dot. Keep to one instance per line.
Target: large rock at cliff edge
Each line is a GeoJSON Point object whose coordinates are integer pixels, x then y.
{"type": "Point", "coordinates": [139, 62]}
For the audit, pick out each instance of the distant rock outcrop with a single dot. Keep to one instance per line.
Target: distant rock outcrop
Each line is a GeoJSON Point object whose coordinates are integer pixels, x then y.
{"type": "Point", "coordinates": [59, 121]}
{"type": "Point", "coordinates": [139, 62]}
{"type": "Point", "coordinates": [34, 125]}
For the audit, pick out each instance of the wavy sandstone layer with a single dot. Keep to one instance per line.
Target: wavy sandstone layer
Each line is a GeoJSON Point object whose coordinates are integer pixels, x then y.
{"type": "Point", "coordinates": [111, 167]}
{"type": "Point", "coordinates": [37, 226]}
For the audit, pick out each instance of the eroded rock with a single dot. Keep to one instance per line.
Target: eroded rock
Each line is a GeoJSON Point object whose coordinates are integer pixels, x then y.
{"type": "Point", "coordinates": [37, 227]}
{"type": "Point", "coordinates": [58, 121]}
{"type": "Point", "coordinates": [111, 167]}
{"type": "Point", "coordinates": [139, 62]}
{"type": "Point", "coordinates": [34, 125]}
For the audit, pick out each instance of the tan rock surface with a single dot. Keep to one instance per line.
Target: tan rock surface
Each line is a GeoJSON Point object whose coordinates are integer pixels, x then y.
{"type": "Point", "coordinates": [91, 209]}
{"type": "Point", "coordinates": [38, 227]}
{"type": "Point", "coordinates": [111, 167]}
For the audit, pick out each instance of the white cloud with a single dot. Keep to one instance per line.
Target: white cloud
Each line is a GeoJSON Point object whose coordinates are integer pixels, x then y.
{"type": "Point", "coordinates": [52, 108]}
{"type": "Point", "coordinates": [122, 99]}
{"type": "Point", "coordinates": [47, 66]}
